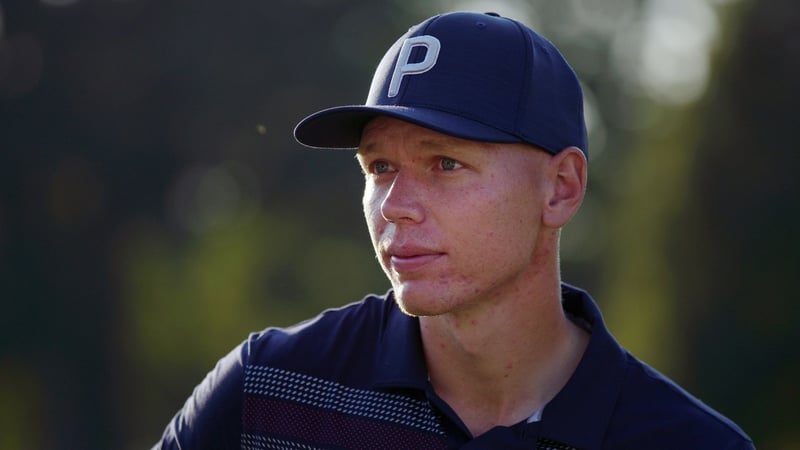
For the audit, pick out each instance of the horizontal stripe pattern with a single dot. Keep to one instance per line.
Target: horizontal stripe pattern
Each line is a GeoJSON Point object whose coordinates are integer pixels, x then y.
{"type": "Point", "coordinates": [284, 409]}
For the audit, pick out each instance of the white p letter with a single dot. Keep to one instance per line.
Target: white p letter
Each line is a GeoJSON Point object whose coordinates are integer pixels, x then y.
{"type": "Point", "coordinates": [403, 67]}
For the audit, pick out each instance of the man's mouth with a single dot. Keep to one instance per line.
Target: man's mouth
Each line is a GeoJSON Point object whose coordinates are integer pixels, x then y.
{"type": "Point", "coordinates": [411, 258]}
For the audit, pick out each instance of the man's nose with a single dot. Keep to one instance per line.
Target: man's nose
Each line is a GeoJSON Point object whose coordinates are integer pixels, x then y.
{"type": "Point", "coordinates": [403, 200]}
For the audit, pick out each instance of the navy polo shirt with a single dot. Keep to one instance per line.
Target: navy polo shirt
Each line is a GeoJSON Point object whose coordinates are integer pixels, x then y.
{"type": "Point", "coordinates": [355, 378]}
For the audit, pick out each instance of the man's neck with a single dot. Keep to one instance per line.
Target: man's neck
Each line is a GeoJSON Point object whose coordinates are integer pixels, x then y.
{"type": "Point", "coordinates": [499, 362]}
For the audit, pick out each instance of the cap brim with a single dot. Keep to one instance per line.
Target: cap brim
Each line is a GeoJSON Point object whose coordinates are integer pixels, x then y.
{"type": "Point", "coordinates": [341, 127]}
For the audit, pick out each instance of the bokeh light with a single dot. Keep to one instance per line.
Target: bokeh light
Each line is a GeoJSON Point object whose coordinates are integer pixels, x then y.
{"type": "Point", "coordinates": [677, 40]}
{"type": "Point", "coordinates": [154, 207]}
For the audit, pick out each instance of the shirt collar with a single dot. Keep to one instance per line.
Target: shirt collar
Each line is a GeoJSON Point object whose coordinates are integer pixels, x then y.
{"type": "Point", "coordinates": [578, 415]}
{"type": "Point", "coordinates": [581, 412]}
{"type": "Point", "coordinates": [401, 359]}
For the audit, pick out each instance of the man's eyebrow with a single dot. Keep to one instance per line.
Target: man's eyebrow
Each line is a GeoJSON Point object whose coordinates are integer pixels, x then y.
{"type": "Point", "coordinates": [437, 144]}
{"type": "Point", "coordinates": [434, 143]}
{"type": "Point", "coordinates": [364, 150]}
{"type": "Point", "coordinates": [452, 144]}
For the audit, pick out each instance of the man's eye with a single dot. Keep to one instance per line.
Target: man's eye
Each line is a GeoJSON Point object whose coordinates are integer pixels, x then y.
{"type": "Point", "coordinates": [380, 167]}
{"type": "Point", "coordinates": [448, 164]}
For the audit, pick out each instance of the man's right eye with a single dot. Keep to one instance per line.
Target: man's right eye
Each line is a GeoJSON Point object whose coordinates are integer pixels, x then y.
{"type": "Point", "coordinates": [379, 167]}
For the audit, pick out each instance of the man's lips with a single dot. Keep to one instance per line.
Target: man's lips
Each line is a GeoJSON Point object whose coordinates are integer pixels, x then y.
{"type": "Point", "coordinates": [409, 259]}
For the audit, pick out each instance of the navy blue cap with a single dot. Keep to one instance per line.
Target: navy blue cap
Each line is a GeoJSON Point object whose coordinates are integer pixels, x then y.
{"type": "Point", "coordinates": [474, 76]}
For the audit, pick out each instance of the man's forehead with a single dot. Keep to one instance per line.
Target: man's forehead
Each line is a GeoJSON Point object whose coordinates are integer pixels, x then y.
{"type": "Point", "coordinates": [386, 122]}
{"type": "Point", "coordinates": [385, 128]}
{"type": "Point", "coordinates": [389, 127]}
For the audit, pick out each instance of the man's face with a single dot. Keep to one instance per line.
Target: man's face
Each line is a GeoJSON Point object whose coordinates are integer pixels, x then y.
{"type": "Point", "coordinates": [453, 222]}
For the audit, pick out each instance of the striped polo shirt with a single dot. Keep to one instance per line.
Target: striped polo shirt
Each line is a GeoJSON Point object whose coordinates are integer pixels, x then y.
{"type": "Point", "coordinates": [355, 378]}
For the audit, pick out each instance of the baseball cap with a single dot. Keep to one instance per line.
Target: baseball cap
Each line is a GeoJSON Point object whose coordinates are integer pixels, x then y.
{"type": "Point", "coordinates": [474, 76]}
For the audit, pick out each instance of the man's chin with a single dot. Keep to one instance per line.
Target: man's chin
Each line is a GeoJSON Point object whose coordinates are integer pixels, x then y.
{"type": "Point", "coordinates": [419, 304]}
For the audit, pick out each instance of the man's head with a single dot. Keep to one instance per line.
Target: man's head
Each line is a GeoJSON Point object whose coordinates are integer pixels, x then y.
{"type": "Point", "coordinates": [474, 76]}
{"type": "Point", "coordinates": [473, 144]}
{"type": "Point", "coordinates": [455, 221]}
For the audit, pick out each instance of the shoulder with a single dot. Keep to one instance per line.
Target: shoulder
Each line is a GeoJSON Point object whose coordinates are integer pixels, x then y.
{"type": "Point", "coordinates": [325, 346]}
{"type": "Point", "coordinates": [618, 402]}
{"type": "Point", "coordinates": [338, 340]}
{"type": "Point", "coordinates": [209, 419]}
{"type": "Point", "coordinates": [335, 324]}
{"type": "Point", "coordinates": [654, 412]}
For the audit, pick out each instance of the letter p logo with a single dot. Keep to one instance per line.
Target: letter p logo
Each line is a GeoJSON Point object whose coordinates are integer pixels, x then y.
{"type": "Point", "coordinates": [403, 67]}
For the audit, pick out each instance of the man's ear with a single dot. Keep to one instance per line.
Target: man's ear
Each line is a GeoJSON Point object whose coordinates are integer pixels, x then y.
{"type": "Point", "coordinates": [567, 177]}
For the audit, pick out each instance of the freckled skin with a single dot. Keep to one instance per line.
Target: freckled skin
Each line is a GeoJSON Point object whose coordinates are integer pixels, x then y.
{"type": "Point", "coordinates": [481, 217]}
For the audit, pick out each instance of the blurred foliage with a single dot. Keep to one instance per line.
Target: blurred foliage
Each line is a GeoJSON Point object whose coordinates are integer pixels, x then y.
{"type": "Point", "coordinates": [154, 208]}
{"type": "Point", "coordinates": [739, 257]}
{"type": "Point", "coordinates": [187, 303]}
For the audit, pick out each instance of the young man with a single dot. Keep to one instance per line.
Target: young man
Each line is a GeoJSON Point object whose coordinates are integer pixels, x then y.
{"type": "Point", "coordinates": [473, 146]}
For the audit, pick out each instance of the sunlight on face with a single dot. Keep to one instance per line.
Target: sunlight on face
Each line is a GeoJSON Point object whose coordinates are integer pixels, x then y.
{"type": "Point", "coordinates": [451, 221]}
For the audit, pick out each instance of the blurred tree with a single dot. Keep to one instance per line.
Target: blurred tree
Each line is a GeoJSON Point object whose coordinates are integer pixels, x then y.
{"type": "Point", "coordinates": [704, 283]}
{"type": "Point", "coordinates": [738, 266]}
{"type": "Point", "coordinates": [154, 207]}
{"type": "Point", "coordinates": [147, 174]}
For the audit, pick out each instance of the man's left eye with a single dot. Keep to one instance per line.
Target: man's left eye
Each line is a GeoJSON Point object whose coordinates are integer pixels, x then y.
{"type": "Point", "coordinates": [448, 164]}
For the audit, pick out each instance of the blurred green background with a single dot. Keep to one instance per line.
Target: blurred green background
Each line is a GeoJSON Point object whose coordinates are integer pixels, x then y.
{"type": "Point", "coordinates": [154, 208]}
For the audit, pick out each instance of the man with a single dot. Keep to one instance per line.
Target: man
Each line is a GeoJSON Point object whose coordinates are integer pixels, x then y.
{"type": "Point", "coordinates": [473, 146]}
